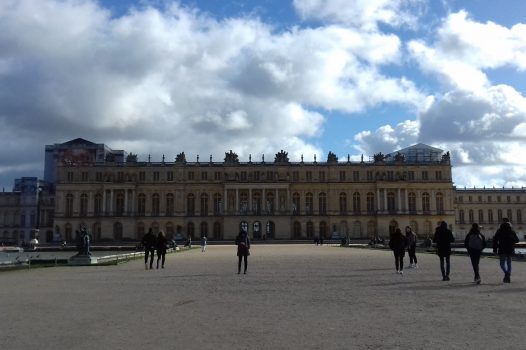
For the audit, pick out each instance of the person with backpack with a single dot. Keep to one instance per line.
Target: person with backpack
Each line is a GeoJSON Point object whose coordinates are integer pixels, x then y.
{"type": "Point", "coordinates": [443, 238]}
{"type": "Point", "coordinates": [475, 243]}
{"type": "Point", "coordinates": [398, 243]}
{"type": "Point", "coordinates": [411, 246]}
{"type": "Point", "coordinates": [504, 245]}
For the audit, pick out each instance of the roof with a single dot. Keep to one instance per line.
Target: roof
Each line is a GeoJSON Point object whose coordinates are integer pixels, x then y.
{"type": "Point", "coordinates": [78, 141]}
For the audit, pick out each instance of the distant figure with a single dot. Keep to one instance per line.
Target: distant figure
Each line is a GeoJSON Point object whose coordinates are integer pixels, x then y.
{"type": "Point", "coordinates": [243, 249]}
{"type": "Point", "coordinates": [475, 243]}
{"type": "Point", "coordinates": [203, 244]}
{"type": "Point", "coordinates": [443, 238]}
{"type": "Point", "coordinates": [189, 242]}
{"type": "Point", "coordinates": [411, 246]}
{"type": "Point", "coordinates": [148, 242]}
{"type": "Point", "coordinates": [504, 245]}
{"type": "Point", "coordinates": [161, 248]}
{"type": "Point", "coordinates": [398, 243]}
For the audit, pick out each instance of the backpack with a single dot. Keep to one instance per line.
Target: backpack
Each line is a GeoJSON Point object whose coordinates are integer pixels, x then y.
{"type": "Point", "coordinates": [475, 242]}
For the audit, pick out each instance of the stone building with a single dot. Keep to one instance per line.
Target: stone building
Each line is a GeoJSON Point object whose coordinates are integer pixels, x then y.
{"type": "Point", "coordinates": [119, 200]}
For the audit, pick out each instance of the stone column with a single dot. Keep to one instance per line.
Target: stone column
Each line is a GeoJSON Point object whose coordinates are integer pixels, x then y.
{"type": "Point", "coordinates": [399, 207]}
{"type": "Point", "coordinates": [104, 202]}
{"type": "Point", "coordinates": [111, 202]}
{"type": "Point", "coordinates": [126, 202]}
{"type": "Point", "coordinates": [378, 200]}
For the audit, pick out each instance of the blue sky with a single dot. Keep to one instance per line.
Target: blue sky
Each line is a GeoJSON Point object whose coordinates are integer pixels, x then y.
{"type": "Point", "coordinates": [308, 76]}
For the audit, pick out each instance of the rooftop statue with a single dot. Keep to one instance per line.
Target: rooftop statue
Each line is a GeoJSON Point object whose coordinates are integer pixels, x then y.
{"type": "Point", "coordinates": [399, 157]}
{"type": "Point", "coordinates": [379, 157]}
{"type": "Point", "coordinates": [231, 158]}
{"type": "Point", "coordinates": [180, 158]}
{"type": "Point", "coordinates": [131, 158]}
{"type": "Point", "coordinates": [281, 157]}
{"type": "Point", "coordinates": [446, 157]}
{"type": "Point", "coordinates": [332, 158]}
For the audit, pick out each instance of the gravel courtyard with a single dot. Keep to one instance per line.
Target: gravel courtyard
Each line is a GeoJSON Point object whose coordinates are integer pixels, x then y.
{"type": "Point", "coordinates": [293, 297]}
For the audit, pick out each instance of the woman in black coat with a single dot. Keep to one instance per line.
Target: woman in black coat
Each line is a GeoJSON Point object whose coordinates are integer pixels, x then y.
{"type": "Point", "coordinates": [243, 249]}
{"type": "Point", "coordinates": [398, 243]}
{"type": "Point", "coordinates": [475, 243]}
{"type": "Point", "coordinates": [161, 248]}
{"type": "Point", "coordinates": [443, 238]}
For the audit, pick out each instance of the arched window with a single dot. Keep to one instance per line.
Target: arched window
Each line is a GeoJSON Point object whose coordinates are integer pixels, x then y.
{"type": "Point", "coordinates": [69, 205]}
{"type": "Point", "coordinates": [140, 230]}
{"type": "Point", "coordinates": [83, 210]}
{"type": "Point", "coordinates": [141, 204]}
{"type": "Point", "coordinates": [296, 203]}
{"type": "Point", "coordinates": [499, 215]}
{"type": "Point", "coordinates": [217, 230]}
{"type": "Point", "coordinates": [356, 207]}
{"type": "Point", "coordinates": [481, 216]}
{"type": "Point", "coordinates": [256, 229]}
{"type": "Point", "coordinates": [217, 204]}
{"type": "Point", "coordinates": [370, 203]}
{"type": "Point", "coordinates": [357, 229]}
{"type": "Point", "coordinates": [411, 198]}
{"type": "Point", "coordinates": [119, 204]}
{"type": "Point", "coordinates": [391, 206]}
{"type": "Point", "coordinates": [256, 203]}
{"type": "Point", "coordinates": [510, 215]}
{"type": "Point", "coordinates": [270, 229]}
{"type": "Point", "coordinates": [190, 230]}
{"type": "Point", "coordinates": [69, 232]}
{"type": "Point", "coordinates": [269, 205]}
{"type": "Point", "coordinates": [297, 229]}
{"type": "Point", "coordinates": [190, 204]}
{"type": "Point", "coordinates": [310, 230]}
{"type": "Point", "coordinates": [440, 202]}
{"type": "Point", "coordinates": [156, 204]}
{"type": "Point", "coordinates": [426, 208]}
{"type": "Point", "coordinates": [323, 229]}
{"type": "Point", "coordinates": [461, 217]}
{"type": "Point", "coordinates": [322, 203]}
{"type": "Point", "coordinates": [471, 216]}
{"type": "Point", "coordinates": [243, 202]}
{"type": "Point", "coordinates": [243, 226]}
{"type": "Point", "coordinates": [309, 203]}
{"type": "Point", "coordinates": [97, 205]}
{"type": "Point", "coordinates": [170, 205]}
{"type": "Point", "coordinates": [204, 205]}
{"type": "Point", "coordinates": [343, 203]}
{"type": "Point", "coordinates": [490, 216]}
{"type": "Point", "coordinates": [519, 216]}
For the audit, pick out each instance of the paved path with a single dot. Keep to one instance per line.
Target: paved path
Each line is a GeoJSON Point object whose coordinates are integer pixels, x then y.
{"type": "Point", "coordinates": [293, 297]}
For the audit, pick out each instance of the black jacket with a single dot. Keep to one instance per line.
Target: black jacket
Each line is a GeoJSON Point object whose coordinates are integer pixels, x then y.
{"type": "Point", "coordinates": [468, 236]}
{"type": "Point", "coordinates": [398, 243]}
{"type": "Point", "coordinates": [148, 241]}
{"type": "Point", "coordinates": [504, 240]}
{"type": "Point", "coordinates": [443, 238]}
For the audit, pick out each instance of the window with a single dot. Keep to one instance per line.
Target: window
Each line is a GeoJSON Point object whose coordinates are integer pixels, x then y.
{"type": "Point", "coordinates": [490, 216]}
{"type": "Point", "coordinates": [342, 175]}
{"type": "Point", "coordinates": [243, 176]}
{"type": "Point", "coordinates": [322, 203]}
{"type": "Point", "coordinates": [370, 203]}
{"type": "Point", "coordinates": [322, 176]}
{"type": "Point", "coordinates": [295, 176]}
{"type": "Point", "coordinates": [170, 204]}
{"type": "Point", "coordinates": [141, 204]}
{"type": "Point", "coordinates": [390, 175]}
{"type": "Point", "coordinates": [256, 175]}
{"type": "Point", "coordinates": [217, 204]}
{"type": "Point", "coordinates": [470, 199]}
{"type": "Point", "coordinates": [438, 175]}
{"type": "Point", "coordinates": [119, 204]}
{"type": "Point", "coordinates": [481, 216]}
{"type": "Point", "coordinates": [308, 175]}
{"type": "Point", "coordinates": [97, 205]}
{"type": "Point", "coordinates": [83, 210]}
{"type": "Point", "coordinates": [142, 176]}
{"type": "Point", "coordinates": [411, 197]}
{"type": "Point", "coordinates": [499, 215]}
{"type": "Point", "coordinates": [370, 175]}
{"type": "Point", "coordinates": [156, 203]}
{"type": "Point", "coordinates": [69, 205]}
{"type": "Point", "coordinates": [309, 203]}
{"type": "Point", "coordinates": [296, 203]}
{"type": "Point", "coordinates": [461, 199]}
{"type": "Point", "coordinates": [498, 199]}
{"type": "Point", "coordinates": [509, 215]}
{"type": "Point", "coordinates": [391, 207]}
{"type": "Point", "coordinates": [156, 176]}
{"type": "Point", "coordinates": [190, 175]}
{"type": "Point", "coordinates": [480, 199]}
{"type": "Point", "coordinates": [204, 176]}
{"type": "Point", "coordinates": [424, 175]}
{"type": "Point", "coordinates": [356, 176]}
{"type": "Point", "coordinates": [170, 176]}
{"type": "Point", "coordinates": [270, 175]}
{"type": "Point", "coordinates": [425, 202]}
{"type": "Point", "coordinates": [204, 205]}
{"type": "Point", "coordinates": [440, 202]}
{"type": "Point", "coordinates": [190, 204]}
{"type": "Point", "coordinates": [356, 203]}
{"type": "Point", "coordinates": [519, 216]}
{"type": "Point", "coordinates": [98, 176]}
{"type": "Point", "coordinates": [343, 203]}
{"type": "Point", "coordinates": [411, 175]}
{"type": "Point", "coordinates": [518, 199]}
{"type": "Point", "coordinates": [489, 199]}
{"type": "Point", "coordinates": [217, 176]}
{"type": "Point", "coordinates": [508, 199]}
{"type": "Point", "coordinates": [84, 176]}
{"type": "Point", "coordinates": [461, 218]}
{"type": "Point", "coordinates": [471, 216]}
{"type": "Point", "coordinates": [120, 176]}
{"type": "Point", "coordinates": [70, 176]}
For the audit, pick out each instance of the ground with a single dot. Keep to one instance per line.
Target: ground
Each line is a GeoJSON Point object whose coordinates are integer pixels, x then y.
{"type": "Point", "coordinates": [293, 297]}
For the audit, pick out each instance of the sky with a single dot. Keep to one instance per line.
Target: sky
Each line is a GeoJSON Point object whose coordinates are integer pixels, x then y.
{"type": "Point", "coordinates": [353, 77]}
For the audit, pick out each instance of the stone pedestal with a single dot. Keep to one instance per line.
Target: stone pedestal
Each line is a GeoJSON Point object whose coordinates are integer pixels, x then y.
{"type": "Point", "coordinates": [82, 260]}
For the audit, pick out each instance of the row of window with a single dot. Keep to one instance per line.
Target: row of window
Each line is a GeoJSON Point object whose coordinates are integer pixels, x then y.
{"type": "Point", "coordinates": [489, 218]}
{"type": "Point", "coordinates": [257, 206]}
{"type": "Point", "coordinates": [155, 176]}
{"type": "Point", "coordinates": [489, 199]}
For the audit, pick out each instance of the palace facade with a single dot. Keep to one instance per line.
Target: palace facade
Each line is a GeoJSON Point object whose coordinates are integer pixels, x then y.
{"type": "Point", "coordinates": [118, 198]}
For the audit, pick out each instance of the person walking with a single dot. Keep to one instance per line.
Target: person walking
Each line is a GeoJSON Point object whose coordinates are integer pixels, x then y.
{"type": "Point", "coordinates": [243, 249]}
{"type": "Point", "coordinates": [148, 242]}
{"type": "Point", "coordinates": [475, 242]}
{"type": "Point", "coordinates": [203, 244]}
{"type": "Point", "coordinates": [411, 246]}
{"type": "Point", "coordinates": [398, 243]}
{"type": "Point", "coordinates": [443, 238]}
{"type": "Point", "coordinates": [504, 246]}
{"type": "Point", "coordinates": [161, 248]}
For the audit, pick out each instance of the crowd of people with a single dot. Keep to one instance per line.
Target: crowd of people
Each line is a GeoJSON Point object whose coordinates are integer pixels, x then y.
{"type": "Point", "coordinates": [504, 242]}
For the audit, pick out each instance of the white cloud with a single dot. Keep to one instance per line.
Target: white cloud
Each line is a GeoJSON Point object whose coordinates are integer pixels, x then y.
{"type": "Point", "coordinates": [364, 14]}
